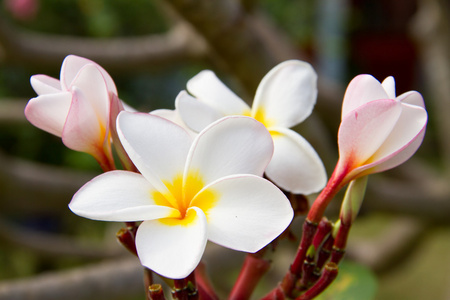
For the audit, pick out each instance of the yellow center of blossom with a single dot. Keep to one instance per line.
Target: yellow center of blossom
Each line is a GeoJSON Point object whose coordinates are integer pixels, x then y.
{"type": "Point", "coordinates": [184, 195]}
{"type": "Point", "coordinates": [261, 116]}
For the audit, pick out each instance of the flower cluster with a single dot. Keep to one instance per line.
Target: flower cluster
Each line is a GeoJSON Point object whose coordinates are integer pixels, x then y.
{"type": "Point", "coordinates": [195, 174]}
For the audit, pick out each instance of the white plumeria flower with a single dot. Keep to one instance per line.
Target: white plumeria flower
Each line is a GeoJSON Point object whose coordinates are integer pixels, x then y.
{"type": "Point", "coordinates": [76, 108]}
{"type": "Point", "coordinates": [189, 191]}
{"type": "Point", "coordinates": [284, 98]}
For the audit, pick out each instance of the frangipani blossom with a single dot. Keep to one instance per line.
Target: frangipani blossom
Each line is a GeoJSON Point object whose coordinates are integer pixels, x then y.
{"type": "Point", "coordinates": [284, 98]}
{"type": "Point", "coordinates": [189, 191]}
{"type": "Point", "coordinates": [76, 107]}
{"type": "Point", "coordinates": [378, 131]}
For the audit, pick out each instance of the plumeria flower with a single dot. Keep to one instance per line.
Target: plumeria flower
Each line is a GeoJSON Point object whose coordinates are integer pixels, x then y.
{"type": "Point", "coordinates": [378, 131]}
{"type": "Point", "coordinates": [77, 107]}
{"type": "Point", "coordinates": [284, 98]}
{"type": "Point", "coordinates": [189, 191]}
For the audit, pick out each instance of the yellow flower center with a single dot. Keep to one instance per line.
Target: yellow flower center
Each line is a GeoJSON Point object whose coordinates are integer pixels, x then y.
{"type": "Point", "coordinates": [260, 115]}
{"type": "Point", "coordinates": [184, 195]}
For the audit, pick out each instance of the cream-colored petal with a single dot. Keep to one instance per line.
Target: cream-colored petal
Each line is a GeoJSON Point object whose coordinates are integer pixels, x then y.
{"type": "Point", "coordinates": [248, 213]}
{"type": "Point", "coordinates": [286, 95]}
{"type": "Point", "coordinates": [172, 249]}
{"type": "Point", "coordinates": [295, 166]}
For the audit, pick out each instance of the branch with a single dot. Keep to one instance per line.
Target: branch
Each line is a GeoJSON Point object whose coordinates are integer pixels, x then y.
{"type": "Point", "coordinates": [116, 279]}
{"type": "Point", "coordinates": [52, 245]}
{"type": "Point", "coordinates": [425, 197]}
{"type": "Point", "coordinates": [125, 53]}
{"type": "Point", "coordinates": [246, 43]}
{"type": "Point", "coordinates": [24, 184]}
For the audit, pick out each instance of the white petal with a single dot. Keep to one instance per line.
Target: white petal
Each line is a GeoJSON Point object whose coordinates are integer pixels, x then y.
{"type": "Point", "coordinates": [48, 112]}
{"type": "Point", "coordinates": [118, 196]}
{"type": "Point", "coordinates": [365, 129]}
{"type": "Point", "coordinates": [156, 146]}
{"type": "Point", "coordinates": [295, 165]}
{"type": "Point", "coordinates": [206, 87]}
{"type": "Point", "coordinates": [413, 98]}
{"type": "Point", "coordinates": [248, 213]}
{"type": "Point", "coordinates": [173, 116]}
{"type": "Point", "coordinates": [194, 113]}
{"type": "Point", "coordinates": [287, 94]}
{"type": "Point", "coordinates": [362, 89]}
{"type": "Point", "coordinates": [43, 84]}
{"type": "Point", "coordinates": [72, 64]}
{"type": "Point", "coordinates": [231, 145]}
{"type": "Point", "coordinates": [172, 250]}
{"type": "Point", "coordinates": [389, 86]}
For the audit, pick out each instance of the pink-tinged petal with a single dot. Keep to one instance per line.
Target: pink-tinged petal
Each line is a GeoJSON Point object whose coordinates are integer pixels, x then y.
{"type": "Point", "coordinates": [83, 130]}
{"type": "Point", "coordinates": [43, 84]}
{"type": "Point", "coordinates": [48, 112]}
{"type": "Point", "coordinates": [389, 86]}
{"type": "Point", "coordinates": [287, 94]}
{"type": "Point", "coordinates": [118, 196]}
{"type": "Point", "coordinates": [195, 114]}
{"type": "Point", "coordinates": [365, 129]}
{"type": "Point", "coordinates": [413, 98]}
{"type": "Point", "coordinates": [362, 89]}
{"type": "Point", "coordinates": [295, 165]}
{"type": "Point", "coordinates": [206, 87]}
{"type": "Point", "coordinates": [412, 121]}
{"type": "Point", "coordinates": [231, 145]}
{"type": "Point", "coordinates": [248, 213]}
{"type": "Point", "coordinates": [170, 248]}
{"type": "Point", "coordinates": [400, 156]}
{"type": "Point", "coordinates": [402, 142]}
{"type": "Point", "coordinates": [91, 83]}
{"type": "Point", "coordinates": [157, 147]}
{"type": "Point", "coordinates": [72, 64]}
{"type": "Point", "coordinates": [116, 106]}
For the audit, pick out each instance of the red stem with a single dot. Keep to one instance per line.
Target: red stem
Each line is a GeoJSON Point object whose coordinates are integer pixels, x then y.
{"type": "Point", "coordinates": [275, 294]}
{"type": "Point", "coordinates": [323, 230]}
{"type": "Point", "coordinates": [335, 183]}
{"type": "Point", "coordinates": [309, 229]}
{"type": "Point", "coordinates": [329, 274]}
{"type": "Point", "coordinates": [126, 237]}
{"type": "Point", "coordinates": [324, 253]}
{"type": "Point", "coordinates": [205, 287]}
{"type": "Point", "coordinates": [155, 292]}
{"type": "Point", "coordinates": [252, 271]}
{"type": "Point", "coordinates": [340, 243]}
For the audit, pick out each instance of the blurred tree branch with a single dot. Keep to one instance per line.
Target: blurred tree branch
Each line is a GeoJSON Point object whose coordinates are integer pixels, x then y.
{"type": "Point", "coordinates": [245, 42]}
{"type": "Point", "coordinates": [53, 245]}
{"type": "Point", "coordinates": [125, 53]}
{"type": "Point", "coordinates": [113, 280]}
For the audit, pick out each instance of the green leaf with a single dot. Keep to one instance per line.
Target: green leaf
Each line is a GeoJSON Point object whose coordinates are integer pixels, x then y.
{"type": "Point", "coordinates": [354, 282]}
